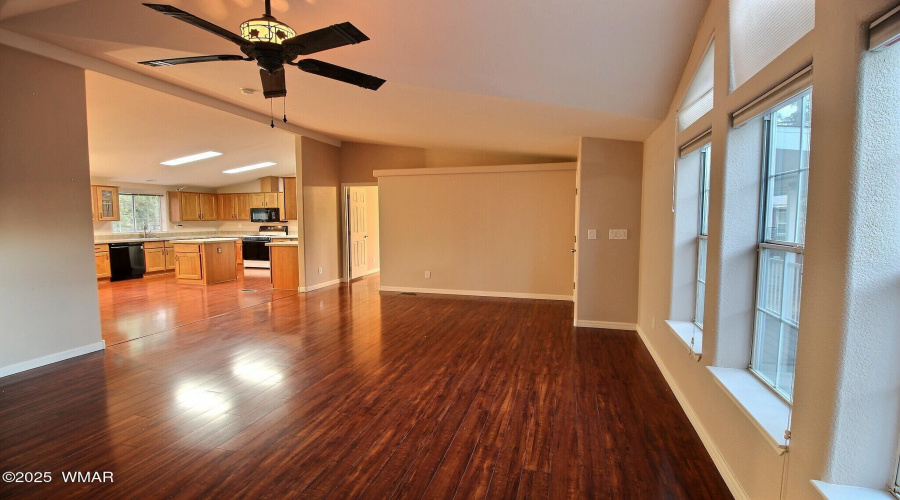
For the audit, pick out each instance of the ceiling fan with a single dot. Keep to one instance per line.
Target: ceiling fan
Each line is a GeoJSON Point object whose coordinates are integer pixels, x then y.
{"type": "Point", "coordinates": [272, 44]}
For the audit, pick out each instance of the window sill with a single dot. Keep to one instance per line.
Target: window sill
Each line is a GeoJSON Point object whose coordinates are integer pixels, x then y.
{"type": "Point", "coordinates": [768, 412]}
{"type": "Point", "coordinates": [685, 331]}
{"type": "Point", "coordinates": [838, 492]}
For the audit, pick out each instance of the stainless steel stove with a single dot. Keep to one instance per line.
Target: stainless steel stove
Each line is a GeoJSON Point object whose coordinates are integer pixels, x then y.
{"type": "Point", "coordinates": [255, 251]}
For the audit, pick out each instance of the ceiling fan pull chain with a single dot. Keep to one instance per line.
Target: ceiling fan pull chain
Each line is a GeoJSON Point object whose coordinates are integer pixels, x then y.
{"type": "Point", "coordinates": [284, 109]}
{"type": "Point", "coordinates": [271, 115]}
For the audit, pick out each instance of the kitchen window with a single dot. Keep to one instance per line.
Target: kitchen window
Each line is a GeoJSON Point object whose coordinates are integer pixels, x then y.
{"type": "Point", "coordinates": [138, 212]}
{"type": "Point", "coordinates": [703, 233]}
{"type": "Point", "coordinates": [783, 220]}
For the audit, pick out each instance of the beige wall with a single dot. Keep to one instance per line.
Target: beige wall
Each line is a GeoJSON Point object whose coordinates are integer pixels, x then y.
{"type": "Point", "coordinates": [504, 232]}
{"type": "Point", "coordinates": [48, 295]}
{"type": "Point", "coordinates": [320, 167]}
{"type": "Point", "coordinates": [609, 197]}
{"type": "Point", "coordinates": [358, 160]}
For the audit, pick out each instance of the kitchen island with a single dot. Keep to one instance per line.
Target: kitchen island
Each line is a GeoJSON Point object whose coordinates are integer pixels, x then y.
{"type": "Point", "coordinates": [205, 261]}
{"type": "Point", "coordinates": [285, 266]}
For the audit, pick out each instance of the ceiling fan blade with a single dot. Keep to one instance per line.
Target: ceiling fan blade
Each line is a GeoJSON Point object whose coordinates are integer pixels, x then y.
{"type": "Point", "coordinates": [196, 21]}
{"type": "Point", "coordinates": [336, 35]}
{"type": "Point", "coordinates": [273, 85]}
{"type": "Point", "coordinates": [197, 59]}
{"type": "Point", "coordinates": [340, 74]}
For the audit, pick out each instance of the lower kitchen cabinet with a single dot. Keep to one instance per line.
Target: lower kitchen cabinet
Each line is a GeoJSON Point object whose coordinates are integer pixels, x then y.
{"type": "Point", "coordinates": [187, 264]}
{"type": "Point", "coordinates": [170, 256]}
{"type": "Point", "coordinates": [155, 256]}
{"type": "Point", "coordinates": [101, 261]}
{"type": "Point", "coordinates": [239, 252]}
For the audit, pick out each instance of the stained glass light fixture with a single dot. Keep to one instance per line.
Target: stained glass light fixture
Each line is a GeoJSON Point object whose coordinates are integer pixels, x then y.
{"type": "Point", "coordinates": [266, 29]}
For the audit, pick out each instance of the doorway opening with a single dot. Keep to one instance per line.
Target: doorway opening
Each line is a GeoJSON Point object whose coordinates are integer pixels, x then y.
{"type": "Point", "coordinates": [362, 255]}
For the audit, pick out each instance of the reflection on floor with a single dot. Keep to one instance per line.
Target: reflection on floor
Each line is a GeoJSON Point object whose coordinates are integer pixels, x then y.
{"type": "Point", "coordinates": [136, 308]}
{"type": "Point", "coordinates": [346, 392]}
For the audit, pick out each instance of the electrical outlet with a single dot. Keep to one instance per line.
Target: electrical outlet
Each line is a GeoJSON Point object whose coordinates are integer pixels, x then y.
{"type": "Point", "coordinates": [427, 274]}
{"type": "Point", "coordinates": [618, 234]}
{"type": "Point", "coordinates": [592, 234]}
{"type": "Point", "coordinates": [320, 270]}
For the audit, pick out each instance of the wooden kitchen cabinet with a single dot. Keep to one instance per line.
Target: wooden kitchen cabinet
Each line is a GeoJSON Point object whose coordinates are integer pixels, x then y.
{"type": "Point", "coordinates": [155, 256]}
{"type": "Point", "coordinates": [187, 262]}
{"type": "Point", "coordinates": [290, 199]}
{"type": "Point", "coordinates": [184, 206]}
{"type": "Point", "coordinates": [170, 256]}
{"type": "Point", "coordinates": [239, 252]}
{"type": "Point", "coordinates": [234, 206]}
{"type": "Point", "coordinates": [242, 206]}
{"type": "Point", "coordinates": [207, 206]}
{"type": "Point", "coordinates": [207, 261]}
{"type": "Point", "coordinates": [107, 202]}
{"type": "Point", "coordinates": [101, 261]}
{"type": "Point", "coordinates": [263, 200]}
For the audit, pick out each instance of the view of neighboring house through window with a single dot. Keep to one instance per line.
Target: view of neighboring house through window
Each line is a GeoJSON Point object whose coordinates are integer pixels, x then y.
{"type": "Point", "coordinates": [781, 249]}
{"type": "Point", "coordinates": [137, 212]}
{"type": "Point", "coordinates": [703, 232]}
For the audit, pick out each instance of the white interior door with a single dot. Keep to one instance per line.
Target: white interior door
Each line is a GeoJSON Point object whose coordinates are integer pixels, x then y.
{"type": "Point", "coordinates": [359, 253]}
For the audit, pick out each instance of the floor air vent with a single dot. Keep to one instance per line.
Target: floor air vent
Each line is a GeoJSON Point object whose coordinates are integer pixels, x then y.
{"type": "Point", "coordinates": [248, 290]}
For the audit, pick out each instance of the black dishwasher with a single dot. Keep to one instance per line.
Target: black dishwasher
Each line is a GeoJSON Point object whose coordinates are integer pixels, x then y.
{"type": "Point", "coordinates": [126, 261]}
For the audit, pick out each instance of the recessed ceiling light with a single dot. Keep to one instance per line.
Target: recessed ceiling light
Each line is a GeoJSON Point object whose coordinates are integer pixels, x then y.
{"type": "Point", "coordinates": [249, 167]}
{"type": "Point", "coordinates": [188, 159]}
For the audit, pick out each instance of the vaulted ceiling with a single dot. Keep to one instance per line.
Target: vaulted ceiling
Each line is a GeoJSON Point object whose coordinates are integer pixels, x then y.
{"type": "Point", "coordinates": [525, 76]}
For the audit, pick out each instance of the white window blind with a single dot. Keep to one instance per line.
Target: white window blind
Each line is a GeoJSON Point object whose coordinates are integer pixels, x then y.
{"type": "Point", "coordinates": [698, 100]}
{"type": "Point", "coordinates": [761, 30]}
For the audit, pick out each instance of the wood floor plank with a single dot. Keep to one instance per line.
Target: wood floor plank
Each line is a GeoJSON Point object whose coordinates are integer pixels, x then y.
{"type": "Point", "coordinates": [347, 392]}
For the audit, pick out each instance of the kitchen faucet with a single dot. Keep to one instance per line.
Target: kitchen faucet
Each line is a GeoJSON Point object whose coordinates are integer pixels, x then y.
{"type": "Point", "coordinates": [147, 230]}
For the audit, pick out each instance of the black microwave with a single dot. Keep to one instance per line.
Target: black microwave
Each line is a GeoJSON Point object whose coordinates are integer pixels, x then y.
{"type": "Point", "coordinates": [264, 215]}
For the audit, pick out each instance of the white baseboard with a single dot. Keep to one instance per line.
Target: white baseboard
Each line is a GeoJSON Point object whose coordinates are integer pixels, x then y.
{"type": "Point", "coordinates": [476, 293]}
{"type": "Point", "coordinates": [610, 325]}
{"type": "Point", "coordinates": [320, 285]}
{"type": "Point", "coordinates": [727, 475]}
{"type": "Point", "coordinates": [51, 358]}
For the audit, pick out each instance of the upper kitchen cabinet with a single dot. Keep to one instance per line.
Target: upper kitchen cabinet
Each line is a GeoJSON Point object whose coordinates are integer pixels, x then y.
{"type": "Point", "coordinates": [290, 198]}
{"type": "Point", "coordinates": [263, 200]}
{"type": "Point", "coordinates": [107, 202]}
{"type": "Point", "coordinates": [234, 206]}
{"type": "Point", "coordinates": [185, 206]}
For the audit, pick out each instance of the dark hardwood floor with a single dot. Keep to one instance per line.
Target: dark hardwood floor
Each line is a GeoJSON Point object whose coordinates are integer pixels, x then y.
{"type": "Point", "coordinates": [344, 393]}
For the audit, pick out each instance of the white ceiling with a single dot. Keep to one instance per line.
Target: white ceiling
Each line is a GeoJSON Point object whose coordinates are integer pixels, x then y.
{"type": "Point", "coordinates": [526, 76]}
{"type": "Point", "coordinates": [131, 129]}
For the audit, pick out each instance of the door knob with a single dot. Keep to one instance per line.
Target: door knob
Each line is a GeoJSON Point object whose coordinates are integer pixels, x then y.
{"type": "Point", "coordinates": [573, 250]}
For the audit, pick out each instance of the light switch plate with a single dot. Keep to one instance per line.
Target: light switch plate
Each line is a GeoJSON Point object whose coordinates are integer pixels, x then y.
{"type": "Point", "coordinates": [618, 234]}
{"type": "Point", "coordinates": [427, 274]}
{"type": "Point", "coordinates": [592, 234]}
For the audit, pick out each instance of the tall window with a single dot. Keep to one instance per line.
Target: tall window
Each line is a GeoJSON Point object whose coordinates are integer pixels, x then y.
{"type": "Point", "coordinates": [781, 249]}
{"type": "Point", "coordinates": [137, 212]}
{"type": "Point", "coordinates": [702, 233]}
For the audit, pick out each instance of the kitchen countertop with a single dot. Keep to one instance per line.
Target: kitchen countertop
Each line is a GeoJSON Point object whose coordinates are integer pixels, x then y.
{"type": "Point", "coordinates": [184, 238]}
{"type": "Point", "coordinates": [283, 244]}
{"type": "Point", "coordinates": [208, 240]}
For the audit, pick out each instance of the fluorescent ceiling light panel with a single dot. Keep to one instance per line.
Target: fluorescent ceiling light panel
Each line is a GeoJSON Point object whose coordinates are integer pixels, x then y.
{"type": "Point", "coordinates": [249, 167]}
{"type": "Point", "coordinates": [188, 159]}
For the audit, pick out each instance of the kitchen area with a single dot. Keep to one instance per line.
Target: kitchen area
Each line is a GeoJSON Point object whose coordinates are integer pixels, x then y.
{"type": "Point", "coordinates": [185, 201]}
{"type": "Point", "coordinates": [195, 257]}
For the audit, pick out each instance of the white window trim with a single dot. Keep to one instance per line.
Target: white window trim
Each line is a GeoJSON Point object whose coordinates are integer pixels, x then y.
{"type": "Point", "coordinates": [769, 413]}
{"type": "Point", "coordinates": [162, 215]}
{"type": "Point", "coordinates": [689, 334]}
{"type": "Point", "coordinates": [839, 492]}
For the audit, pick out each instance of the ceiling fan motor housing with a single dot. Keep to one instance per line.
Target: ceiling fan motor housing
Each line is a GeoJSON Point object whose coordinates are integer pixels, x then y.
{"type": "Point", "coordinates": [269, 56]}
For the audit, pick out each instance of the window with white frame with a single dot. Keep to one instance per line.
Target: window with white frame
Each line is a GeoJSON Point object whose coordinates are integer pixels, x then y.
{"type": "Point", "coordinates": [783, 228]}
{"type": "Point", "coordinates": [139, 212]}
{"type": "Point", "coordinates": [702, 234]}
